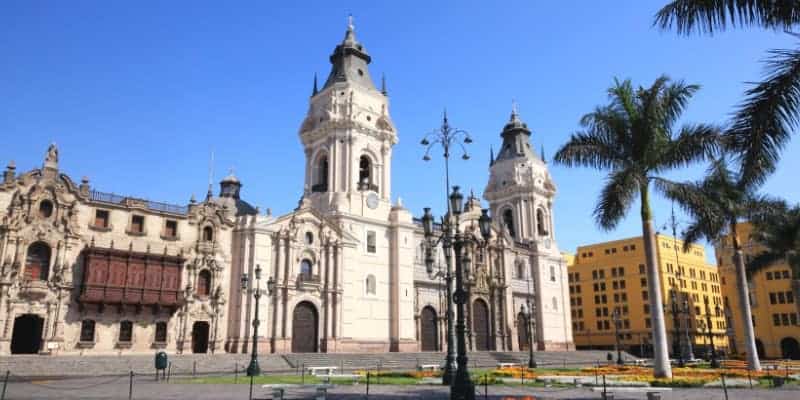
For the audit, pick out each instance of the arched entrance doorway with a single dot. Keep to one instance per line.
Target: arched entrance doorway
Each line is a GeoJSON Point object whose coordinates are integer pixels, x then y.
{"type": "Point", "coordinates": [27, 336]}
{"type": "Point", "coordinates": [790, 348]}
{"type": "Point", "coordinates": [480, 325]}
{"type": "Point", "coordinates": [760, 348]}
{"type": "Point", "coordinates": [522, 331]}
{"type": "Point", "coordinates": [200, 337]}
{"type": "Point", "coordinates": [428, 332]}
{"type": "Point", "coordinates": [304, 328]}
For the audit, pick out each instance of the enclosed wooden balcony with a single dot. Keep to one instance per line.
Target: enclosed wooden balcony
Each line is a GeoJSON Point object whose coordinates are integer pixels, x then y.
{"type": "Point", "coordinates": [119, 277]}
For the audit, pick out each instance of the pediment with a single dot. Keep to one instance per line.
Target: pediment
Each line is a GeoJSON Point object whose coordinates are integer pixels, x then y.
{"type": "Point", "coordinates": [306, 219]}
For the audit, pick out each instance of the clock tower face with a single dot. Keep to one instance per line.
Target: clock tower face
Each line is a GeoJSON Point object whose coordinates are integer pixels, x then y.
{"type": "Point", "coordinates": [372, 200]}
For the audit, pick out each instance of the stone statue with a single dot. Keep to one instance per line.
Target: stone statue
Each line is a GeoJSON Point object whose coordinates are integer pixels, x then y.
{"type": "Point", "coordinates": [52, 154]}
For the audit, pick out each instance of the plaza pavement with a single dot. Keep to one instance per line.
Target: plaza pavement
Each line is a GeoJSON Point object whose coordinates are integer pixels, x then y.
{"type": "Point", "coordinates": [145, 388]}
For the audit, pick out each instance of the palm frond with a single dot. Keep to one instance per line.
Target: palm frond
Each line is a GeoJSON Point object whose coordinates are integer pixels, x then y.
{"type": "Point", "coordinates": [616, 198]}
{"type": "Point", "coordinates": [763, 123]}
{"type": "Point", "coordinates": [709, 16]}
{"type": "Point", "coordinates": [589, 149]}
{"type": "Point", "coordinates": [763, 260]}
{"type": "Point", "coordinates": [695, 142]}
{"type": "Point", "coordinates": [675, 99]}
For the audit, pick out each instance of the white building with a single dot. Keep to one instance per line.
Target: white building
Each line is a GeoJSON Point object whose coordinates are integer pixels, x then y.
{"type": "Point", "coordinates": [84, 271]}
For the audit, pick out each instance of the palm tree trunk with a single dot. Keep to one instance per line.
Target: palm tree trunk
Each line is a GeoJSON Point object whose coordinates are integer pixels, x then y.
{"type": "Point", "coordinates": [796, 292]}
{"type": "Point", "coordinates": [661, 364]}
{"type": "Point", "coordinates": [753, 363]}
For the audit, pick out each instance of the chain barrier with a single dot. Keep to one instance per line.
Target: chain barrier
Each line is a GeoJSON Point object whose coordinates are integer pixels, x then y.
{"type": "Point", "coordinates": [37, 383]}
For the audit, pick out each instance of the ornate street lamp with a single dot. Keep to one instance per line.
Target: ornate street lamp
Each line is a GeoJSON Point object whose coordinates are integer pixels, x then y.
{"type": "Point", "coordinates": [461, 386]}
{"type": "Point", "coordinates": [616, 317]}
{"type": "Point", "coordinates": [253, 369]}
{"type": "Point", "coordinates": [676, 336]}
{"type": "Point", "coordinates": [531, 327]}
{"type": "Point", "coordinates": [447, 137]}
{"type": "Point", "coordinates": [714, 359]}
{"type": "Point", "coordinates": [686, 314]}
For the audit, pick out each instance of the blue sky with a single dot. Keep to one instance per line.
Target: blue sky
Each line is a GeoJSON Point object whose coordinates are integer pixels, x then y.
{"type": "Point", "coordinates": [137, 94]}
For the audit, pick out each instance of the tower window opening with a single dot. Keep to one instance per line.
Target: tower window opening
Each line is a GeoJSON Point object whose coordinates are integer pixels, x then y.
{"type": "Point", "coordinates": [365, 174]}
{"type": "Point", "coordinates": [541, 228]}
{"type": "Point", "coordinates": [321, 184]}
{"type": "Point", "coordinates": [508, 220]}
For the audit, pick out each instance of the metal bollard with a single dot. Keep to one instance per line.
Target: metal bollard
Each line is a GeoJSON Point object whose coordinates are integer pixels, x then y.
{"type": "Point", "coordinates": [5, 383]}
{"type": "Point", "coordinates": [367, 384]}
{"type": "Point", "coordinates": [251, 388]}
{"type": "Point", "coordinates": [169, 371]}
{"type": "Point", "coordinates": [486, 387]}
{"type": "Point", "coordinates": [194, 368]}
{"type": "Point", "coordinates": [724, 386]}
{"type": "Point", "coordinates": [236, 372]}
{"type": "Point", "coordinates": [749, 379]}
{"type": "Point", "coordinates": [130, 387]}
{"type": "Point", "coordinates": [303, 374]}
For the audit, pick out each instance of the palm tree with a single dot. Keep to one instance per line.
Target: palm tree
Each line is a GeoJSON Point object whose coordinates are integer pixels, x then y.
{"type": "Point", "coordinates": [633, 138]}
{"type": "Point", "coordinates": [762, 124]}
{"type": "Point", "coordinates": [716, 205]}
{"type": "Point", "coordinates": [778, 231]}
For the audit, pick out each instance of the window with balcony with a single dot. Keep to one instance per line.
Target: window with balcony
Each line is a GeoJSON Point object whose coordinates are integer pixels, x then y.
{"type": "Point", "coordinates": [137, 224]}
{"type": "Point", "coordinates": [171, 229]}
{"type": "Point", "coordinates": [204, 283]}
{"type": "Point", "coordinates": [101, 219]}
{"type": "Point", "coordinates": [37, 262]}
{"type": "Point", "coordinates": [306, 270]}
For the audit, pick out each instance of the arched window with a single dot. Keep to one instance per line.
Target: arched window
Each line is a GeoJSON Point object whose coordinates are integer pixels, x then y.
{"type": "Point", "coordinates": [203, 283]}
{"type": "Point", "coordinates": [125, 331]}
{"type": "Point", "coordinates": [508, 221]}
{"type": "Point", "coordinates": [306, 269]}
{"type": "Point", "coordinates": [552, 273]}
{"type": "Point", "coordinates": [541, 227]}
{"type": "Point", "coordinates": [161, 332]}
{"type": "Point", "coordinates": [555, 304]}
{"type": "Point", "coordinates": [37, 263]}
{"type": "Point", "coordinates": [45, 208]}
{"type": "Point", "coordinates": [521, 270]}
{"type": "Point", "coordinates": [208, 234]}
{"type": "Point", "coordinates": [87, 330]}
{"type": "Point", "coordinates": [321, 180]}
{"type": "Point", "coordinates": [370, 284]}
{"type": "Point", "coordinates": [364, 173]}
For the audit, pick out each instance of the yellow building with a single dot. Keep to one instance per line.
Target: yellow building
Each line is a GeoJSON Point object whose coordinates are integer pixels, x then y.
{"type": "Point", "coordinates": [610, 276]}
{"type": "Point", "coordinates": [773, 305]}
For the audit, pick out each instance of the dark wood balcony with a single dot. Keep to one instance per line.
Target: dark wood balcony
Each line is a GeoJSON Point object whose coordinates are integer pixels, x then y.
{"type": "Point", "coordinates": [118, 277]}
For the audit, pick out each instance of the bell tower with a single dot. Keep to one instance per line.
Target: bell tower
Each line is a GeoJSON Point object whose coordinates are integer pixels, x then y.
{"type": "Point", "coordinates": [348, 135]}
{"type": "Point", "coordinates": [520, 190]}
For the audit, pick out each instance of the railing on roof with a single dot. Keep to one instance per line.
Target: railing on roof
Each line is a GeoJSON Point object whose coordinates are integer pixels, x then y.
{"type": "Point", "coordinates": [112, 198]}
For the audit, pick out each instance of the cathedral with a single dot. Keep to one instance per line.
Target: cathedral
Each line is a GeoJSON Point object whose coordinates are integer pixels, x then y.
{"type": "Point", "coordinates": [88, 272]}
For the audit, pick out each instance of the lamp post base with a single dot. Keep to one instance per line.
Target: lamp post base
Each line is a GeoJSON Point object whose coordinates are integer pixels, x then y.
{"type": "Point", "coordinates": [253, 369]}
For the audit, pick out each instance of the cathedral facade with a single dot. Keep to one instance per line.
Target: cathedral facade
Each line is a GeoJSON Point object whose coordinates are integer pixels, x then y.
{"type": "Point", "coordinates": [88, 272]}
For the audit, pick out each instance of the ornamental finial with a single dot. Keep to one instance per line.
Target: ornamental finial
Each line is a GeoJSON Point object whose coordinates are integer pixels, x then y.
{"type": "Point", "coordinates": [350, 26]}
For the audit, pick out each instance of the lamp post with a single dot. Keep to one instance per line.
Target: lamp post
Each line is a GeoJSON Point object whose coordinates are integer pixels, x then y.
{"type": "Point", "coordinates": [686, 315]}
{"type": "Point", "coordinates": [714, 360]}
{"type": "Point", "coordinates": [253, 369]}
{"type": "Point", "coordinates": [461, 387]}
{"type": "Point", "coordinates": [617, 344]}
{"type": "Point", "coordinates": [446, 136]}
{"type": "Point", "coordinates": [531, 327]}
{"type": "Point", "coordinates": [676, 336]}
